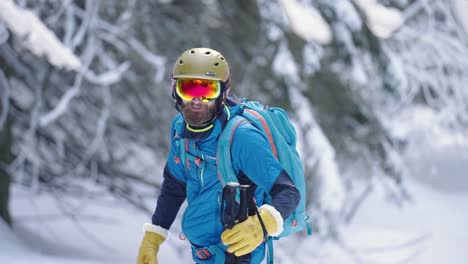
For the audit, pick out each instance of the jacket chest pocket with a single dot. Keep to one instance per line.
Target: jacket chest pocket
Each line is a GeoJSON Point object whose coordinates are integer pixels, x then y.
{"type": "Point", "coordinates": [205, 171]}
{"type": "Point", "coordinates": [196, 162]}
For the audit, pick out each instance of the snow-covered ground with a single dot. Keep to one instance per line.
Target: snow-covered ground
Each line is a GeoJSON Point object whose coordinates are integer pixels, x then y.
{"type": "Point", "coordinates": [101, 231]}
{"type": "Point", "coordinates": [430, 230]}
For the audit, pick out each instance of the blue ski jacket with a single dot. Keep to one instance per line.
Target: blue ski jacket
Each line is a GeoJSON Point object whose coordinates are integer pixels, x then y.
{"type": "Point", "coordinates": [197, 181]}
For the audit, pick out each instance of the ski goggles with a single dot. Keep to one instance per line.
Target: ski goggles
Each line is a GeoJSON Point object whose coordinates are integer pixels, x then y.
{"type": "Point", "coordinates": [205, 90]}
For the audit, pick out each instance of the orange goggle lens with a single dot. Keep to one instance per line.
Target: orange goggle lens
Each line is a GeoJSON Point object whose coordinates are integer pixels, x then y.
{"type": "Point", "coordinates": [206, 90]}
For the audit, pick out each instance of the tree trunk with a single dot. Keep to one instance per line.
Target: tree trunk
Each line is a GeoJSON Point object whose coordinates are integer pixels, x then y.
{"type": "Point", "coordinates": [4, 196]}
{"type": "Point", "coordinates": [5, 159]}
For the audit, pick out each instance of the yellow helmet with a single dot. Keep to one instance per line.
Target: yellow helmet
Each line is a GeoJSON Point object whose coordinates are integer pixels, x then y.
{"type": "Point", "coordinates": [201, 63]}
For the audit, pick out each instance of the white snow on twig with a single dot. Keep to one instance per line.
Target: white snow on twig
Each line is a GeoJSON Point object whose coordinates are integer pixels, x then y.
{"type": "Point", "coordinates": [382, 21]}
{"type": "Point", "coordinates": [109, 77]}
{"type": "Point", "coordinates": [150, 57]}
{"type": "Point", "coordinates": [60, 108]}
{"type": "Point", "coordinates": [36, 36]}
{"type": "Point", "coordinates": [306, 22]}
{"type": "Point", "coordinates": [460, 9]}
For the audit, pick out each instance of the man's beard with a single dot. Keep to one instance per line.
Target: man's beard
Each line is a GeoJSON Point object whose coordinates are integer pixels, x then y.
{"type": "Point", "coordinates": [200, 118]}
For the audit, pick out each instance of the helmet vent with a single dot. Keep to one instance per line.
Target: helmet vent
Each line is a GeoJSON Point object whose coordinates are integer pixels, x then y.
{"type": "Point", "coordinates": [207, 52]}
{"type": "Point", "coordinates": [192, 52]}
{"type": "Point", "coordinates": [216, 64]}
{"type": "Point", "coordinates": [222, 58]}
{"type": "Point", "coordinates": [181, 62]}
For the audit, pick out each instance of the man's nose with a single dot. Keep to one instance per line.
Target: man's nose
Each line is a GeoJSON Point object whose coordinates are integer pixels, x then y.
{"type": "Point", "coordinates": [196, 100]}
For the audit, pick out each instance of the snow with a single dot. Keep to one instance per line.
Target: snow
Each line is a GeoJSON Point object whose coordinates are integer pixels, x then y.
{"type": "Point", "coordinates": [459, 9]}
{"type": "Point", "coordinates": [306, 22]}
{"type": "Point", "coordinates": [434, 218]}
{"type": "Point", "coordinates": [382, 21]}
{"type": "Point", "coordinates": [16, 251]}
{"type": "Point", "coordinates": [61, 107]}
{"type": "Point", "coordinates": [97, 230]}
{"type": "Point", "coordinates": [443, 162]}
{"type": "Point", "coordinates": [283, 63]}
{"type": "Point", "coordinates": [428, 230]}
{"type": "Point", "coordinates": [110, 77]}
{"type": "Point", "coordinates": [332, 191]}
{"type": "Point", "coordinates": [424, 232]}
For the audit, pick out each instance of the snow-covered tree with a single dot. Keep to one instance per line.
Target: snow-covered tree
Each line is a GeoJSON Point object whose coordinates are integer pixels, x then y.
{"type": "Point", "coordinates": [73, 110]}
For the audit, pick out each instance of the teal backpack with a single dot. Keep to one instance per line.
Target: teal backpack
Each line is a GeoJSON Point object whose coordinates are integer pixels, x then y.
{"type": "Point", "coordinates": [275, 124]}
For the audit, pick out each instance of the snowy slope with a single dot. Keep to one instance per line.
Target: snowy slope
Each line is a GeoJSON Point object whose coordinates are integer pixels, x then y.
{"type": "Point", "coordinates": [102, 230]}
{"type": "Point", "coordinates": [13, 251]}
{"type": "Point", "coordinates": [427, 231]}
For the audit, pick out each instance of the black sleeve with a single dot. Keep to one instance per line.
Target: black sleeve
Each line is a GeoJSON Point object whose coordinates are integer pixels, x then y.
{"type": "Point", "coordinates": [170, 199]}
{"type": "Point", "coordinates": [285, 196]}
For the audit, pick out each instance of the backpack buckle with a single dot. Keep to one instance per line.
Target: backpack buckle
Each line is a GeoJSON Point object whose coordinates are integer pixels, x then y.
{"type": "Point", "coordinates": [203, 254]}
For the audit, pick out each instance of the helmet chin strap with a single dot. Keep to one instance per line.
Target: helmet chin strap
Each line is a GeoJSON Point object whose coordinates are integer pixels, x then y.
{"type": "Point", "coordinates": [204, 127]}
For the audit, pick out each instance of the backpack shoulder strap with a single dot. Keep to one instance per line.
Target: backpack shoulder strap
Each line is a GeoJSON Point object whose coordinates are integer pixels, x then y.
{"type": "Point", "coordinates": [181, 144]}
{"type": "Point", "coordinates": [177, 126]}
{"type": "Point", "coordinates": [223, 154]}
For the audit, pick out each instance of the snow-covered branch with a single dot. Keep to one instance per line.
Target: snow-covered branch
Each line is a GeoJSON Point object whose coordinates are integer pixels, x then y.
{"type": "Point", "coordinates": [307, 22]}
{"type": "Point", "coordinates": [460, 9]}
{"type": "Point", "coordinates": [61, 108]}
{"type": "Point", "coordinates": [107, 78]}
{"type": "Point", "coordinates": [36, 36]}
{"type": "Point", "coordinates": [157, 61]}
{"type": "Point", "coordinates": [382, 21]}
{"type": "Point", "coordinates": [434, 56]}
{"type": "Point", "coordinates": [315, 148]}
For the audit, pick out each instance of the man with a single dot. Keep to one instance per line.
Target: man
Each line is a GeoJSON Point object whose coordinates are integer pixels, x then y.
{"type": "Point", "coordinates": [200, 89]}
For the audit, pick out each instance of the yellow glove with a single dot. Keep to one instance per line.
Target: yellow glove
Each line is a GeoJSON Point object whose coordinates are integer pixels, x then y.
{"type": "Point", "coordinates": [244, 237]}
{"type": "Point", "coordinates": [154, 236]}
